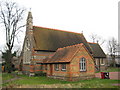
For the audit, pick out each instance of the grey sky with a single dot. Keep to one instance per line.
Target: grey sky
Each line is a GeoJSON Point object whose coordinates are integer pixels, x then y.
{"type": "Point", "coordinates": [90, 16]}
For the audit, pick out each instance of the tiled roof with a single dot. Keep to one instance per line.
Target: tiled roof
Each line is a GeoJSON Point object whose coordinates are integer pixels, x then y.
{"type": "Point", "coordinates": [63, 54]}
{"type": "Point", "coordinates": [51, 39]}
{"type": "Point", "coordinates": [97, 50]}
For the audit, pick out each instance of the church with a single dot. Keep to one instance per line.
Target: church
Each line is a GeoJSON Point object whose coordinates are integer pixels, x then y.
{"type": "Point", "coordinates": [61, 54]}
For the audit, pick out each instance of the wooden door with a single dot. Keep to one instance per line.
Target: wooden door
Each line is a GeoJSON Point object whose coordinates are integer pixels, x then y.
{"type": "Point", "coordinates": [51, 69]}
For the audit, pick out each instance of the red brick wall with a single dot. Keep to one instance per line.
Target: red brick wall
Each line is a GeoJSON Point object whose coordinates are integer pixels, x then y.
{"type": "Point", "coordinates": [73, 69]}
{"type": "Point", "coordinates": [59, 72]}
{"type": "Point", "coordinates": [75, 66]}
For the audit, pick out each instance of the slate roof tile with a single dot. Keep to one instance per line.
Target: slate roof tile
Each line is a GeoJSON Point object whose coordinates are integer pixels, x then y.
{"type": "Point", "coordinates": [97, 50]}
{"type": "Point", "coordinates": [52, 39]}
{"type": "Point", "coordinates": [63, 54]}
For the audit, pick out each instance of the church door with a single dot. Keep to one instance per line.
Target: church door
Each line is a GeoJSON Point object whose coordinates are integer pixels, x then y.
{"type": "Point", "coordinates": [51, 69]}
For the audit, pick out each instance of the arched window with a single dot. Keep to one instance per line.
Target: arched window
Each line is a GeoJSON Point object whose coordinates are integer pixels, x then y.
{"type": "Point", "coordinates": [82, 64]}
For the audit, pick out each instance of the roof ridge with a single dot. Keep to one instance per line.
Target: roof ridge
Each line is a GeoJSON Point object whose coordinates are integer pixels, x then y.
{"type": "Point", "coordinates": [92, 42]}
{"type": "Point", "coordinates": [71, 46]}
{"type": "Point", "coordinates": [57, 29]}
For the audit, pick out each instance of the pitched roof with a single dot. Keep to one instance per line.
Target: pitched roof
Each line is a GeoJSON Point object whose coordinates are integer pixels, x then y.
{"type": "Point", "coordinates": [64, 54]}
{"type": "Point", "coordinates": [97, 50]}
{"type": "Point", "coordinates": [51, 39]}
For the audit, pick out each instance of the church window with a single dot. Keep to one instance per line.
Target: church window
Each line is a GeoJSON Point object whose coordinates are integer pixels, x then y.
{"type": "Point", "coordinates": [82, 64]}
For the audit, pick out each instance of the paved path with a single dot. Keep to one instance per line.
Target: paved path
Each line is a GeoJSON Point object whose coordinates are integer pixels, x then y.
{"type": "Point", "coordinates": [112, 75]}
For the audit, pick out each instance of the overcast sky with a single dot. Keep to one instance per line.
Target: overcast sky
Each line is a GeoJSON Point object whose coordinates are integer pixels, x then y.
{"type": "Point", "coordinates": [90, 16]}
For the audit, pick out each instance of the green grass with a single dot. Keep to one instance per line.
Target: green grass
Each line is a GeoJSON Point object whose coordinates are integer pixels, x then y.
{"type": "Point", "coordinates": [7, 76]}
{"type": "Point", "coordinates": [0, 74]}
{"type": "Point", "coordinates": [38, 81]}
{"type": "Point", "coordinates": [110, 69]}
{"type": "Point", "coordinates": [41, 81]}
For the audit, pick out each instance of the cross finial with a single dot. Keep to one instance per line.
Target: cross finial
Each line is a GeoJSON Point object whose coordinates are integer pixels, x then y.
{"type": "Point", "coordinates": [82, 31]}
{"type": "Point", "coordinates": [30, 9]}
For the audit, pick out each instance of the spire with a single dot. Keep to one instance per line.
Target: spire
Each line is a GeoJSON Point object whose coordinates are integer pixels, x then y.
{"type": "Point", "coordinates": [29, 19]}
{"type": "Point", "coordinates": [29, 15]}
{"type": "Point", "coordinates": [29, 23]}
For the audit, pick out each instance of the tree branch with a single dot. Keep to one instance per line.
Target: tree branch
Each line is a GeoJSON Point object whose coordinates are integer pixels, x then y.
{"type": "Point", "coordinates": [10, 17]}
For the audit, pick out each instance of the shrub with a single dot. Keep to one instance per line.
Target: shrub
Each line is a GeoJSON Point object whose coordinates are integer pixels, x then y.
{"type": "Point", "coordinates": [40, 73]}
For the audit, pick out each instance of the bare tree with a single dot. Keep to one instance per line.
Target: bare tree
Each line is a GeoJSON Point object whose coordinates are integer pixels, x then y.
{"type": "Point", "coordinates": [97, 39]}
{"type": "Point", "coordinates": [112, 48]}
{"type": "Point", "coordinates": [93, 37]}
{"type": "Point", "coordinates": [11, 16]}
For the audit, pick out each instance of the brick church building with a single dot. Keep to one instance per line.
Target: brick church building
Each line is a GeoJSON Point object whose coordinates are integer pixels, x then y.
{"type": "Point", "coordinates": [61, 54]}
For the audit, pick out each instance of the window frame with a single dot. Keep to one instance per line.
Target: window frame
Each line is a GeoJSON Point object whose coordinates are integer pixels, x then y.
{"type": "Point", "coordinates": [102, 61]}
{"type": "Point", "coordinates": [63, 67]}
{"type": "Point", "coordinates": [56, 67]}
{"type": "Point", "coordinates": [82, 64]}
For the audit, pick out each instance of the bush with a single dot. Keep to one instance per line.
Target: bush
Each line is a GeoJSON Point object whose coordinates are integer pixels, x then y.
{"type": "Point", "coordinates": [40, 73]}
{"type": "Point", "coordinates": [117, 65]}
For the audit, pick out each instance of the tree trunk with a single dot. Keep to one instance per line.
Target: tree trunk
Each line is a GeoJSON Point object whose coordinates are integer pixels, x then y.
{"type": "Point", "coordinates": [8, 66]}
{"type": "Point", "coordinates": [113, 59]}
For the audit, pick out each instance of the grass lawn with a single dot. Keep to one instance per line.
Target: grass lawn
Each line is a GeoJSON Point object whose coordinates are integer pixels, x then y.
{"type": "Point", "coordinates": [113, 69]}
{"type": "Point", "coordinates": [0, 79]}
{"type": "Point", "coordinates": [44, 82]}
{"type": "Point", "coordinates": [110, 69]}
{"type": "Point", "coordinates": [0, 74]}
{"type": "Point", "coordinates": [7, 76]}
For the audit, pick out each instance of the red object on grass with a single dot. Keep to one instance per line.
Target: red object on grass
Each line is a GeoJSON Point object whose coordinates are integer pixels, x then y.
{"type": "Point", "coordinates": [102, 75]}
